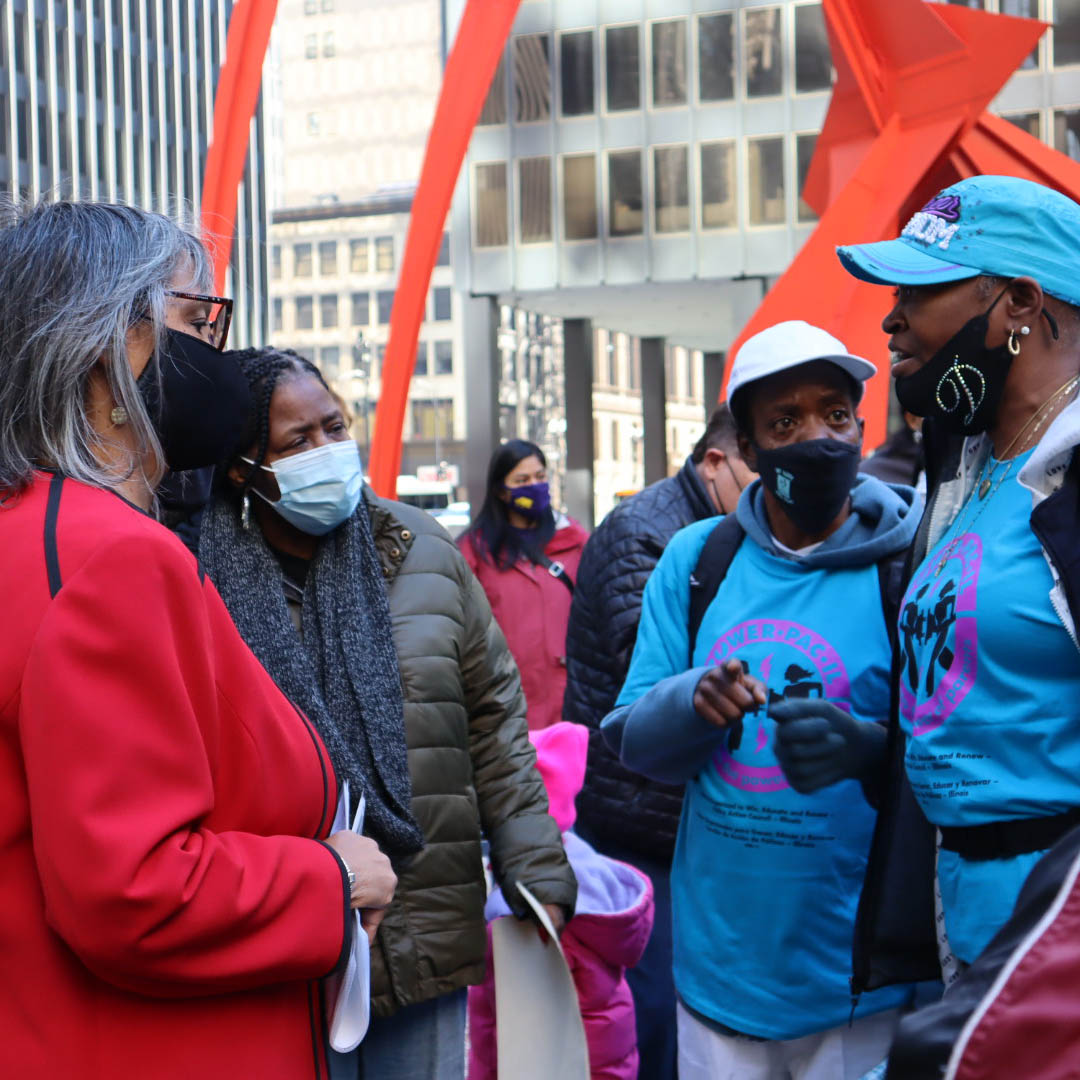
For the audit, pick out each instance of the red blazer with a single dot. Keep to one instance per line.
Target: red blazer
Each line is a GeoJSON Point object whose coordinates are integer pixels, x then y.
{"type": "Point", "coordinates": [165, 910]}
{"type": "Point", "coordinates": [533, 610]}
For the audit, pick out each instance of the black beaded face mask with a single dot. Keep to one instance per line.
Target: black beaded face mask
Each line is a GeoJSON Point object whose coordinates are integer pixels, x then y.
{"type": "Point", "coordinates": [812, 480]}
{"type": "Point", "coordinates": [962, 383]}
{"type": "Point", "coordinates": [202, 407]}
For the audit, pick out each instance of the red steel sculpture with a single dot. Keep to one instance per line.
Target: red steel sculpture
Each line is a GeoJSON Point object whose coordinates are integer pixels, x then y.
{"type": "Point", "coordinates": [907, 118]}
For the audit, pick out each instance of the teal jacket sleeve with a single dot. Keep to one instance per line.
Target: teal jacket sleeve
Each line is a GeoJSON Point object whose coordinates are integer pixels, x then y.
{"type": "Point", "coordinates": [654, 727]}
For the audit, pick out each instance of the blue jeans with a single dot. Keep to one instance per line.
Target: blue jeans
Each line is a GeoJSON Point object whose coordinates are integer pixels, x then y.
{"type": "Point", "coordinates": [419, 1042]}
{"type": "Point", "coordinates": [652, 983]}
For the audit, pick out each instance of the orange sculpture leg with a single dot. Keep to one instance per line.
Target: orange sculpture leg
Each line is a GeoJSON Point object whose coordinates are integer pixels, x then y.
{"type": "Point", "coordinates": [234, 106]}
{"type": "Point", "coordinates": [479, 43]}
{"type": "Point", "coordinates": [906, 119]}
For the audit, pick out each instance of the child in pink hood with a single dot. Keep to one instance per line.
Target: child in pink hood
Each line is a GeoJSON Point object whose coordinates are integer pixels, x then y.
{"type": "Point", "coordinates": [607, 934]}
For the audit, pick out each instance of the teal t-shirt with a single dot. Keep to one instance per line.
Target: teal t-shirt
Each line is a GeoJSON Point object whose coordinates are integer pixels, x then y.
{"type": "Point", "coordinates": [989, 696]}
{"type": "Point", "coordinates": [765, 881]}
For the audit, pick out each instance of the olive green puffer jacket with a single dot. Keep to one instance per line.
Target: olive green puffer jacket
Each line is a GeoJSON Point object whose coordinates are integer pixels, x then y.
{"type": "Point", "coordinates": [473, 769]}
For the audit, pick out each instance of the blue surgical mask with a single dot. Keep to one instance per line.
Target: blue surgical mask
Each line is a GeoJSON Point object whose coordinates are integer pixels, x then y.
{"type": "Point", "coordinates": [319, 488]}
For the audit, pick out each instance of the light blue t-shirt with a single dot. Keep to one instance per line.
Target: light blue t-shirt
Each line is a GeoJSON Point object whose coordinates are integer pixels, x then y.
{"type": "Point", "coordinates": [765, 881]}
{"type": "Point", "coordinates": [989, 697]}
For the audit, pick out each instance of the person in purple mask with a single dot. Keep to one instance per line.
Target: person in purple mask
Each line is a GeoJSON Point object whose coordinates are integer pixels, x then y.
{"type": "Point", "coordinates": [526, 556]}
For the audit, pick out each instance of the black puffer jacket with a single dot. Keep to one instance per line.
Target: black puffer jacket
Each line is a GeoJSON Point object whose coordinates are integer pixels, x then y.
{"type": "Point", "coordinates": [617, 805]}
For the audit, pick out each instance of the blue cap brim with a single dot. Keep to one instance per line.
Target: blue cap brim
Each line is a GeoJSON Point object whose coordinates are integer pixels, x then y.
{"type": "Point", "coordinates": [894, 262]}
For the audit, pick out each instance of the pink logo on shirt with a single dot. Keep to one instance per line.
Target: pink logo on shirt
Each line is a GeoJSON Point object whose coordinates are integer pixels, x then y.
{"type": "Point", "coordinates": [804, 665]}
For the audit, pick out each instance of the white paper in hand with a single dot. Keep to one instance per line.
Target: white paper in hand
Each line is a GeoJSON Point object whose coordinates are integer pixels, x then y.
{"type": "Point", "coordinates": [539, 1030]}
{"type": "Point", "coordinates": [349, 994]}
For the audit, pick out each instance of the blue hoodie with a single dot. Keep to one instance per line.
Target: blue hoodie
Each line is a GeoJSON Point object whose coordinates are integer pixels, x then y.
{"type": "Point", "coordinates": [765, 881]}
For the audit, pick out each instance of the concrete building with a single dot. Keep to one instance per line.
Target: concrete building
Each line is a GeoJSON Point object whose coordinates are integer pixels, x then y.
{"type": "Point", "coordinates": [637, 170]}
{"type": "Point", "coordinates": [115, 101]}
{"type": "Point", "coordinates": [356, 86]}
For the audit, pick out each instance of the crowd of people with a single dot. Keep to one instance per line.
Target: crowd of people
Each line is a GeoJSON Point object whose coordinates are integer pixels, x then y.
{"type": "Point", "coordinates": [787, 749]}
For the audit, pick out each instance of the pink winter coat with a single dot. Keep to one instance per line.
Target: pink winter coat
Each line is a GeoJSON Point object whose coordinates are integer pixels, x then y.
{"type": "Point", "coordinates": [532, 609]}
{"type": "Point", "coordinates": [607, 934]}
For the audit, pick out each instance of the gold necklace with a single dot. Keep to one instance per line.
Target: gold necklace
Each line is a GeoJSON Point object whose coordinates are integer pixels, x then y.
{"type": "Point", "coordinates": [1041, 413]}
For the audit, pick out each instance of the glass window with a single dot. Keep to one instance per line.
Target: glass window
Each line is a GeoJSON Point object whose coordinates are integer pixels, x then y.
{"type": "Point", "coordinates": [615, 440]}
{"type": "Point", "coordinates": [328, 257]}
{"type": "Point", "coordinates": [1026, 121]}
{"type": "Point", "coordinates": [305, 312]}
{"type": "Point", "coordinates": [440, 303]}
{"type": "Point", "coordinates": [671, 188]}
{"type": "Point", "coordinates": [328, 311]}
{"type": "Point", "coordinates": [358, 256]}
{"type": "Point", "coordinates": [1067, 132]}
{"type": "Point", "coordinates": [328, 43]}
{"type": "Point", "coordinates": [443, 258]}
{"type": "Point", "coordinates": [420, 366]}
{"type": "Point", "coordinates": [669, 62]}
{"type": "Point", "coordinates": [576, 73]}
{"type": "Point", "coordinates": [491, 228]}
{"type": "Point", "coordinates": [307, 353]}
{"type": "Point", "coordinates": [534, 178]}
{"type": "Point", "coordinates": [622, 68]}
{"type": "Point", "coordinates": [494, 110]}
{"type": "Point", "coordinates": [433, 418]}
{"type": "Point", "coordinates": [328, 5]}
{"type": "Point", "coordinates": [313, 123]}
{"type": "Point", "coordinates": [1066, 32]}
{"type": "Point", "coordinates": [384, 301]}
{"type": "Point", "coordinates": [311, 7]}
{"type": "Point", "coordinates": [624, 193]}
{"type": "Point", "coordinates": [813, 59]}
{"type": "Point", "coordinates": [804, 153]}
{"type": "Point", "coordinates": [311, 46]}
{"type": "Point", "coordinates": [278, 315]}
{"type": "Point", "coordinates": [330, 362]}
{"type": "Point", "coordinates": [532, 78]}
{"type": "Point", "coordinates": [716, 57]}
{"type": "Point", "coordinates": [718, 205]}
{"type": "Point", "coordinates": [764, 64]}
{"type": "Point", "coordinates": [612, 365]}
{"type": "Point", "coordinates": [302, 260]}
{"type": "Point", "coordinates": [384, 254]}
{"type": "Point", "coordinates": [444, 358]}
{"type": "Point", "coordinates": [360, 308]}
{"type": "Point", "coordinates": [275, 261]}
{"type": "Point", "coordinates": [765, 165]}
{"type": "Point", "coordinates": [579, 197]}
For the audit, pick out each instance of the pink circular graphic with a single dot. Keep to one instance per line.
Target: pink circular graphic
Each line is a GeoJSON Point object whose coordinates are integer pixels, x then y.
{"type": "Point", "coordinates": [938, 618]}
{"type": "Point", "coordinates": [784, 635]}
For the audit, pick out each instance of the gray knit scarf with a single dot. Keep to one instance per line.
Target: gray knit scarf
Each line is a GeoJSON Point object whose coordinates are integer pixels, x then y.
{"type": "Point", "coordinates": [344, 674]}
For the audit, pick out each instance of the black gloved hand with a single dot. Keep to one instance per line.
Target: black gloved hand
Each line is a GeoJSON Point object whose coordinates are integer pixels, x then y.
{"type": "Point", "coordinates": [818, 744]}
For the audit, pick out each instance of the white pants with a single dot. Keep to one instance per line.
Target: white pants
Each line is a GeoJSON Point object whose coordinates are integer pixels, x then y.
{"type": "Point", "coordinates": [841, 1053]}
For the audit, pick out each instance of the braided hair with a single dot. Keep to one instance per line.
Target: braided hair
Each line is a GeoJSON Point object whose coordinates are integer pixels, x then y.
{"type": "Point", "coordinates": [264, 369]}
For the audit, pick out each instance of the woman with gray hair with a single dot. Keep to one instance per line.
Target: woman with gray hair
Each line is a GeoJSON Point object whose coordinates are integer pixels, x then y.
{"type": "Point", "coordinates": [167, 905]}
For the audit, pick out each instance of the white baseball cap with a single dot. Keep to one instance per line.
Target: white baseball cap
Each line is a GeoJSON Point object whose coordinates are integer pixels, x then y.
{"type": "Point", "coordinates": [787, 345]}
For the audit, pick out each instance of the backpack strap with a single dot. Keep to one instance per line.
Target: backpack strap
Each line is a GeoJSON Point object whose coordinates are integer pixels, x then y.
{"type": "Point", "coordinates": [711, 569]}
{"type": "Point", "coordinates": [52, 554]}
{"type": "Point", "coordinates": [892, 574]}
{"type": "Point", "coordinates": [555, 569]}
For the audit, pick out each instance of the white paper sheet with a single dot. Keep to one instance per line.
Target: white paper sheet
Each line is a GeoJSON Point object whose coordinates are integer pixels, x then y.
{"type": "Point", "coordinates": [538, 1020]}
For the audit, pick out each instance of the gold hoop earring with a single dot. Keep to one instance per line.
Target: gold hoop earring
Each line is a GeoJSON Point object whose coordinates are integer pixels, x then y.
{"type": "Point", "coordinates": [1014, 343]}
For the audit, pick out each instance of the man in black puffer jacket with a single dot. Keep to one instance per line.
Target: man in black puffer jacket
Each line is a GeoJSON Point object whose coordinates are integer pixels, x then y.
{"type": "Point", "coordinates": [622, 814]}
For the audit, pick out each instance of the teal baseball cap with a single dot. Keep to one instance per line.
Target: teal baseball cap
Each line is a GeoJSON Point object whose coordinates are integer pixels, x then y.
{"type": "Point", "coordinates": [997, 225]}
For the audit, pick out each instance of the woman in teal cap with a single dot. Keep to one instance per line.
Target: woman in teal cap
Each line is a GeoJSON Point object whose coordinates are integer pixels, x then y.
{"type": "Point", "coordinates": [985, 335]}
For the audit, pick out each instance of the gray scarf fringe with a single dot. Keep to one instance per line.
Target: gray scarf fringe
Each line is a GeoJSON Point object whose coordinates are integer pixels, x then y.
{"type": "Point", "coordinates": [344, 674]}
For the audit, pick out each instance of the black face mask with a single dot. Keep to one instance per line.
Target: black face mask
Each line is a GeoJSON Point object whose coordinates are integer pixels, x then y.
{"type": "Point", "coordinates": [962, 383]}
{"type": "Point", "coordinates": [812, 480]}
{"type": "Point", "coordinates": [203, 404]}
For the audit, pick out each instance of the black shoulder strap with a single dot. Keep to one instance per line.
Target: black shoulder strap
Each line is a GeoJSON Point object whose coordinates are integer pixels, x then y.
{"type": "Point", "coordinates": [710, 571]}
{"type": "Point", "coordinates": [892, 574]}
{"type": "Point", "coordinates": [52, 555]}
{"type": "Point", "coordinates": [555, 569]}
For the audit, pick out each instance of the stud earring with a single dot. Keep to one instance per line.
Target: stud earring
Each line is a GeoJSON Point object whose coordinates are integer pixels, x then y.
{"type": "Point", "coordinates": [119, 416]}
{"type": "Point", "coordinates": [245, 511]}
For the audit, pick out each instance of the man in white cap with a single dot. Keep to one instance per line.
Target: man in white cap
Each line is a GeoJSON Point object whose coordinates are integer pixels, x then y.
{"type": "Point", "coordinates": [744, 623]}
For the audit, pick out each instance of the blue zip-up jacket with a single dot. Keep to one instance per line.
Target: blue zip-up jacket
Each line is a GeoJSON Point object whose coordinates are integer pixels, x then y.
{"type": "Point", "coordinates": [765, 881]}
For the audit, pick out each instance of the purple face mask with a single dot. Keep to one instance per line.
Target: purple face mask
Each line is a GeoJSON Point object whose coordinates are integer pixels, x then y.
{"type": "Point", "coordinates": [530, 500]}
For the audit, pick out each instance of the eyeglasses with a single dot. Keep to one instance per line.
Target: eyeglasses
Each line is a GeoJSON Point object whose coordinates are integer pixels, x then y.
{"type": "Point", "coordinates": [221, 309]}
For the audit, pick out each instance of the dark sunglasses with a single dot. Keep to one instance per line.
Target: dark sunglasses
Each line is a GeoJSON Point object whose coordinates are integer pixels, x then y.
{"type": "Point", "coordinates": [221, 309]}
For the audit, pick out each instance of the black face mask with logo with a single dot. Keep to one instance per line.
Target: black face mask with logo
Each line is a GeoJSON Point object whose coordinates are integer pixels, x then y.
{"type": "Point", "coordinates": [201, 404]}
{"type": "Point", "coordinates": [812, 480]}
{"type": "Point", "coordinates": [961, 385]}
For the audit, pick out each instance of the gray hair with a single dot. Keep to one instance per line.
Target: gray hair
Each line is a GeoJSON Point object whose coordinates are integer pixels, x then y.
{"type": "Point", "coordinates": [75, 277]}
